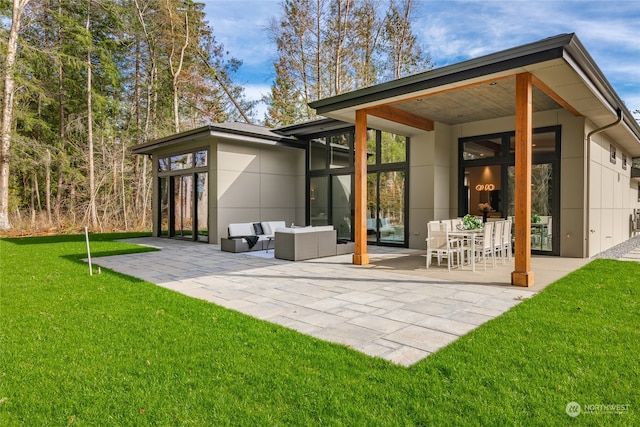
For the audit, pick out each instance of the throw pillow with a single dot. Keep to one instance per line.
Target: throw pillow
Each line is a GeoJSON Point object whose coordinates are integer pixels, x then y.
{"type": "Point", "coordinates": [258, 228]}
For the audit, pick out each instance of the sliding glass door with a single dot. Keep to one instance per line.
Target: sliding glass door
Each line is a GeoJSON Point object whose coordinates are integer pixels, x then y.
{"type": "Point", "coordinates": [386, 207]}
{"type": "Point", "coordinates": [487, 174]}
{"type": "Point", "coordinates": [184, 201]}
{"type": "Point", "coordinates": [183, 207]}
{"type": "Point", "coordinates": [331, 174]}
{"type": "Point", "coordinates": [542, 203]}
{"type": "Point", "coordinates": [341, 205]}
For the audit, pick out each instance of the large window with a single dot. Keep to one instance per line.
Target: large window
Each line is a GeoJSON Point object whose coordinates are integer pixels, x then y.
{"type": "Point", "coordinates": [331, 174]}
{"type": "Point", "coordinates": [487, 178]}
{"type": "Point", "coordinates": [184, 202]}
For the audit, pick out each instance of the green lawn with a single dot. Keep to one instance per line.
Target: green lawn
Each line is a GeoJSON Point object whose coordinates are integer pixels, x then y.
{"type": "Point", "coordinates": [110, 350]}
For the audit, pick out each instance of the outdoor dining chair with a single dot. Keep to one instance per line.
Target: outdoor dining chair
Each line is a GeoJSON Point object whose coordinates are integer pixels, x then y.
{"type": "Point", "coordinates": [507, 235]}
{"type": "Point", "coordinates": [440, 245]}
{"type": "Point", "coordinates": [498, 226]}
{"type": "Point", "coordinates": [484, 244]}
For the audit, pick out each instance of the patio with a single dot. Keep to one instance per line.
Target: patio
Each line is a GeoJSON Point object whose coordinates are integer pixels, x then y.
{"type": "Point", "coordinates": [393, 308]}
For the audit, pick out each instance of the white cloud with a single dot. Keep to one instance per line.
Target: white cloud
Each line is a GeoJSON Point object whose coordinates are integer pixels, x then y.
{"type": "Point", "coordinates": [457, 30]}
{"type": "Point", "coordinates": [241, 26]}
{"type": "Point", "coordinates": [452, 31]}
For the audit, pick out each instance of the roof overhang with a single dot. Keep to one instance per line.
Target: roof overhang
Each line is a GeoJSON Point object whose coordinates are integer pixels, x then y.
{"type": "Point", "coordinates": [564, 76]}
{"type": "Point", "coordinates": [240, 132]}
{"type": "Point", "coordinates": [313, 127]}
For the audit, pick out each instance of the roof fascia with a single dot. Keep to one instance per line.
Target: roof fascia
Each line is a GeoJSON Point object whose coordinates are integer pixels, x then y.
{"type": "Point", "coordinates": [313, 127]}
{"type": "Point", "coordinates": [215, 131]}
{"type": "Point", "coordinates": [564, 46]}
{"type": "Point", "coordinates": [518, 57]}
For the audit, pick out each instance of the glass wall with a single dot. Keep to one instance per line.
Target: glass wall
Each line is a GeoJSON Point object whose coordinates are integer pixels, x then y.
{"type": "Point", "coordinates": [341, 205]}
{"type": "Point", "coordinates": [386, 207]}
{"type": "Point", "coordinates": [331, 173]}
{"type": "Point", "coordinates": [484, 190]}
{"type": "Point", "coordinates": [318, 154]}
{"type": "Point", "coordinates": [183, 206]}
{"type": "Point", "coordinates": [339, 151]}
{"type": "Point", "coordinates": [487, 175]}
{"type": "Point", "coordinates": [202, 207]}
{"type": "Point", "coordinates": [164, 206]}
{"type": "Point", "coordinates": [542, 191]}
{"type": "Point", "coordinates": [319, 200]}
{"type": "Point", "coordinates": [184, 201]}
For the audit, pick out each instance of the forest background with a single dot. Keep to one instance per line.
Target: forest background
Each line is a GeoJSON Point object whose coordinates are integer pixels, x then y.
{"type": "Point", "coordinates": [83, 81]}
{"type": "Point", "coordinates": [86, 80]}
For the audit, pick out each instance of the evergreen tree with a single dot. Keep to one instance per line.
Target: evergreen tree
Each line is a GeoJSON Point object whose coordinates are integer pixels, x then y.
{"type": "Point", "coordinates": [96, 77]}
{"type": "Point", "coordinates": [328, 47]}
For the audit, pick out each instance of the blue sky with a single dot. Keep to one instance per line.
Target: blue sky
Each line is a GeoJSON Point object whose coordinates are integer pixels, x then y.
{"type": "Point", "coordinates": [452, 31]}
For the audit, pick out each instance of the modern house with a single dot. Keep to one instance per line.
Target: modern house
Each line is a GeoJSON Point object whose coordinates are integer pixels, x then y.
{"type": "Point", "coordinates": [536, 132]}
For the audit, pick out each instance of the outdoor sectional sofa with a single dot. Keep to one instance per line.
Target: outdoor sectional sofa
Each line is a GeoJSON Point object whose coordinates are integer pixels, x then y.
{"type": "Point", "coordinates": [250, 236]}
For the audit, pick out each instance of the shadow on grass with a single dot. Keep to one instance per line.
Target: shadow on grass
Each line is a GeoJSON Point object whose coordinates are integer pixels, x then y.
{"type": "Point", "coordinates": [71, 238]}
{"type": "Point", "coordinates": [80, 257]}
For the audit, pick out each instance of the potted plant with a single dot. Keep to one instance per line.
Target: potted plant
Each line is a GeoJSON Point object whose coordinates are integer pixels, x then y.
{"type": "Point", "coordinates": [535, 218]}
{"type": "Point", "coordinates": [470, 222]}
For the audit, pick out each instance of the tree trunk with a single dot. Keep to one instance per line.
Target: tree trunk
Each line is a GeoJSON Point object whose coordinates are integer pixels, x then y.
{"type": "Point", "coordinates": [175, 72]}
{"type": "Point", "coordinates": [7, 111]}
{"type": "Point", "coordinates": [61, 103]}
{"type": "Point", "coordinates": [47, 189]}
{"type": "Point", "coordinates": [92, 201]}
{"type": "Point", "coordinates": [124, 193]}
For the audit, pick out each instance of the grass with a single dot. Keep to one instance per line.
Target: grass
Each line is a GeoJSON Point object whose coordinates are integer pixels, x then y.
{"type": "Point", "coordinates": [111, 350]}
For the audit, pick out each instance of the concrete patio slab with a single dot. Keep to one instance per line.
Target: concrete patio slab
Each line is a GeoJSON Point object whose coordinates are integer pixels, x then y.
{"type": "Point", "coordinates": [394, 308]}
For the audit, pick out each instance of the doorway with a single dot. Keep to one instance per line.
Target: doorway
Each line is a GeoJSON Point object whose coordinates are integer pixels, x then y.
{"type": "Point", "coordinates": [184, 196]}
{"type": "Point", "coordinates": [487, 174]}
{"type": "Point", "coordinates": [386, 207]}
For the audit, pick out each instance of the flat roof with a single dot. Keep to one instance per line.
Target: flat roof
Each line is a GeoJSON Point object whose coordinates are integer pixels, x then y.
{"type": "Point", "coordinates": [234, 130]}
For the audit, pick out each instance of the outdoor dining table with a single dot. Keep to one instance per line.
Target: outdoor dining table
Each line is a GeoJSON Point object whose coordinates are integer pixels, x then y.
{"type": "Point", "coordinates": [539, 229]}
{"type": "Point", "coordinates": [471, 236]}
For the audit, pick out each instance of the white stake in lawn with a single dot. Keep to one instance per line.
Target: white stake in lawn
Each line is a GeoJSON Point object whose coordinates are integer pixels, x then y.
{"type": "Point", "coordinates": [86, 234]}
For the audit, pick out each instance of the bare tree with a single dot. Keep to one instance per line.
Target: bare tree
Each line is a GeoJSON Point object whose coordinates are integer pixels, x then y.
{"type": "Point", "coordinates": [7, 110]}
{"type": "Point", "coordinates": [93, 212]}
{"type": "Point", "coordinates": [176, 68]}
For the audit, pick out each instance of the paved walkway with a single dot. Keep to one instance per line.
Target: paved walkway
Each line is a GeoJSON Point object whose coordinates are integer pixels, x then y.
{"type": "Point", "coordinates": [634, 255]}
{"type": "Point", "coordinates": [393, 308]}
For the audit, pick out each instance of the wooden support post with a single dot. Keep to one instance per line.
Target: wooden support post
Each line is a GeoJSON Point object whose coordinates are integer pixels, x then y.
{"type": "Point", "coordinates": [360, 256]}
{"type": "Point", "coordinates": [522, 274]}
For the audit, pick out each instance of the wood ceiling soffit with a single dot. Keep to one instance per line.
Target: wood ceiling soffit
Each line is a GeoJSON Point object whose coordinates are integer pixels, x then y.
{"type": "Point", "coordinates": [400, 116]}
{"type": "Point", "coordinates": [455, 88]}
{"type": "Point", "coordinates": [551, 94]}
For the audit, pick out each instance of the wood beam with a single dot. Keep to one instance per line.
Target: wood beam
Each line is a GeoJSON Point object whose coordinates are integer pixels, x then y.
{"type": "Point", "coordinates": [522, 274]}
{"type": "Point", "coordinates": [399, 116]}
{"type": "Point", "coordinates": [360, 256]}
{"type": "Point", "coordinates": [553, 95]}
